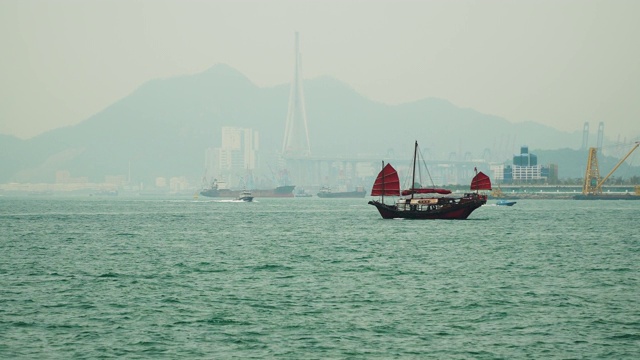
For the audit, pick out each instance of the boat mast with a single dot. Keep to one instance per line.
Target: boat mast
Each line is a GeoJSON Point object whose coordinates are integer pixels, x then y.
{"type": "Point", "coordinates": [413, 173]}
{"type": "Point", "coordinates": [383, 181]}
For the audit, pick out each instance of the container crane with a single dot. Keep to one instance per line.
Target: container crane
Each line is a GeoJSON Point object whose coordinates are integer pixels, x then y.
{"type": "Point", "coordinates": [592, 183]}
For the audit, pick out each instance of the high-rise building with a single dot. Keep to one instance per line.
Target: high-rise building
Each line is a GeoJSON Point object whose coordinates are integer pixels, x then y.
{"type": "Point", "coordinates": [525, 158]}
{"type": "Point", "coordinates": [238, 150]}
{"type": "Point", "coordinates": [235, 158]}
{"type": "Point", "coordinates": [525, 169]}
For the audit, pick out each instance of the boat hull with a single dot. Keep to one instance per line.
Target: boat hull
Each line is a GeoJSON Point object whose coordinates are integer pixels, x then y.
{"type": "Point", "coordinates": [285, 191]}
{"type": "Point", "coordinates": [453, 211]}
{"type": "Point", "coordinates": [279, 192]}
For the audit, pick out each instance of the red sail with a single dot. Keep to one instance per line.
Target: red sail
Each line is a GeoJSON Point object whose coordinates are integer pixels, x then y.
{"type": "Point", "coordinates": [387, 182]}
{"type": "Point", "coordinates": [426, 191]}
{"type": "Point", "coordinates": [481, 182]}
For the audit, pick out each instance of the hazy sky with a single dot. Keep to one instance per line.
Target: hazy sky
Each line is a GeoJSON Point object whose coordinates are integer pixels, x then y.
{"type": "Point", "coordinates": [559, 63]}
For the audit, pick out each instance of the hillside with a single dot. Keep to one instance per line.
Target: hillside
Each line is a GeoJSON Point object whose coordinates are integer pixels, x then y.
{"type": "Point", "coordinates": [164, 127]}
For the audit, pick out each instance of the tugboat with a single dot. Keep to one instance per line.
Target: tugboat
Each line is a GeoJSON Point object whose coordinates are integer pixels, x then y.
{"type": "Point", "coordinates": [416, 203]}
{"type": "Point", "coordinates": [245, 196]}
{"type": "Point", "coordinates": [301, 193]}
{"type": "Point", "coordinates": [505, 203]}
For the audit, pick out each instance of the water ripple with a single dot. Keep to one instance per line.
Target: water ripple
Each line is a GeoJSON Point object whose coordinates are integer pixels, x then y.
{"type": "Point", "coordinates": [295, 278]}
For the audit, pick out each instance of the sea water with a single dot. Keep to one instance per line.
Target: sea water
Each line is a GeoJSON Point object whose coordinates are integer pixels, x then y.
{"type": "Point", "coordinates": [310, 278]}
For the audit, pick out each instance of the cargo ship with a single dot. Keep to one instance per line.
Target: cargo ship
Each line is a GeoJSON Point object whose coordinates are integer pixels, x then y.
{"type": "Point", "coordinates": [215, 191]}
{"type": "Point", "coordinates": [284, 191]}
{"type": "Point", "coordinates": [326, 192]}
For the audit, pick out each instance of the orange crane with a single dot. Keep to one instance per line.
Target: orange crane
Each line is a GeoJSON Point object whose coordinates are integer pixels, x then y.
{"type": "Point", "coordinates": [592, 183]}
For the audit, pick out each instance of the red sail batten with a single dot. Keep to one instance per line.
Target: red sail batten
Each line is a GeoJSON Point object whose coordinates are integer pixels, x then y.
{"type": "Point", "coordinates": [426, 191]}
{"type": "Point", "coordinates": [387, 183]}
{"type": "Point", "coordinates": [481, 182]}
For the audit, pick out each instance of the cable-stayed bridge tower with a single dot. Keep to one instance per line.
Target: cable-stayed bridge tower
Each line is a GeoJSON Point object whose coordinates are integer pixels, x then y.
{"type": "Point", "coordinates": [296, 133]}
{"type": "Point", "coordinates": [313, 171]}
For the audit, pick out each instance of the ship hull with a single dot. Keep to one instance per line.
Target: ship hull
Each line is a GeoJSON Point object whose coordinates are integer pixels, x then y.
{"type": "Point", "coordinates": [279, 192]}
{"type": "Point", "coordinates": [454, 211]}
{"type": "Point", "coordinates": [285, 191]}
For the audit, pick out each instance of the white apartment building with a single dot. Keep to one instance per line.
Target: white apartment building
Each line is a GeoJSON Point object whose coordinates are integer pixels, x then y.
{"type": "Point", "coordinates": [236, 156]}
{"type": "Point", "coordinates": [527, 173]}
{"type": "Point", "coordinates": [238, 150]}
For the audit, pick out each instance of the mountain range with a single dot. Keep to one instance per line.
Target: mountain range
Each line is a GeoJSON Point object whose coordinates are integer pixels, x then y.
{"type": "Point", "coordinates": [164, 127]}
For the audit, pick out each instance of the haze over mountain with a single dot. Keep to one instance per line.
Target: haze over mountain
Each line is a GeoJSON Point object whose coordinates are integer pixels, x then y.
{"type": "Point", "coordinates": [164, 127]}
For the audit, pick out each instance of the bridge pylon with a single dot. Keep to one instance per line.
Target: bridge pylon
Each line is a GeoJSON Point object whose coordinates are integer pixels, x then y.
{"type": "Point", "coordinates": [296, 133]}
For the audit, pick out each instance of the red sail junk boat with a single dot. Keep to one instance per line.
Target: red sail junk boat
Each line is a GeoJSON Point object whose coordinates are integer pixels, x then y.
{"type": "Point", "coordinates": [422, 203]}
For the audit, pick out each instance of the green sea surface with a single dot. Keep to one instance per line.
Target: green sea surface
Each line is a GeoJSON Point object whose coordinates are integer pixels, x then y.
{"type": "Point", "coordinates": [310, 278]}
